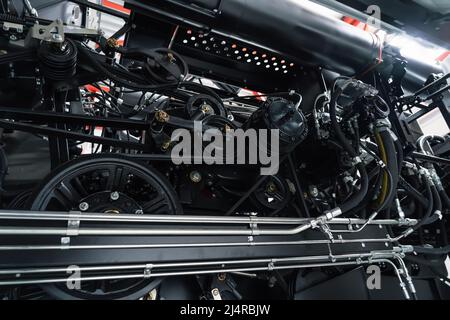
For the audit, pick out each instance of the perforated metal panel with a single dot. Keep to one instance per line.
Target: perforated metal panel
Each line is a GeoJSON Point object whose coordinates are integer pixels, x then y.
{"type": "Point", "coordinates": [235, 51]}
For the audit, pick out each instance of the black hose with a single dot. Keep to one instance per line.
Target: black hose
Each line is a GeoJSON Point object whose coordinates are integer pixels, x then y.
{"type": "Point", "coordinates": [429, 211]}
{"type": "Point", "coordinates": [356, 198]}
{"type": "Point", "coordinates": [336, 127]}
{"type": "Point", "coordinates": [400, 155]}
{"type": "Point", "coordinates": [390, 192]}
{"type": "Point", "coordinates": [433, 251]}
{"type": "Point", "coordinates": [414, 192]}
{"type": "Point", "coordinates": [392, 165]}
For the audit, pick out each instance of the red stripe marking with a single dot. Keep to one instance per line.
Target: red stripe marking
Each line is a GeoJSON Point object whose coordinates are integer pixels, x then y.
{"type": "Point", "coordinates": [115, 6]}
{"type": "Point", "coordinates": [443, 56]}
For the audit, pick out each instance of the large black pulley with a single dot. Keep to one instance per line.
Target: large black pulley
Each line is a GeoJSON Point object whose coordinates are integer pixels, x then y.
{"type": "Point", "coordinates": [109, 184]}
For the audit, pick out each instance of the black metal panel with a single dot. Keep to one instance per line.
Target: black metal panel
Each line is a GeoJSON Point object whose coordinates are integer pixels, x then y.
{"type": "Point", "coordinates": [61, 257]}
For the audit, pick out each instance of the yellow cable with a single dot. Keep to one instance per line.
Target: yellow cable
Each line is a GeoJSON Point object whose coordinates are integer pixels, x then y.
{"type": "Point", "coordinates": [383, 156]}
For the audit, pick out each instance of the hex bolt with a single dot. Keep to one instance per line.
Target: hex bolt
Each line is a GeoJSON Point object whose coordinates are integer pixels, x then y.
{"type": "Point", "coordinates": [83, 206]}
{"type": "Point", "coordinates": [114, 196]}
{"type": "Point", "coordinates": [195, 176]}
{"type": "Point", "coordinates": [216, 294]}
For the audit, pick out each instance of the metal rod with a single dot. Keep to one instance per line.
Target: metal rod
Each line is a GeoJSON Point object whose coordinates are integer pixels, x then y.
{"type": "Point", "coordinates": [183, 273]}
{"type": "Point", "coordinates": [47, 131]}
{"type": "Point", "coordinates": [43, 117]}
{"type": "Point", "coordinates": [191, 245]}
{"type": "Point", "coordinates": [430, 158]}
{"type": "Point", "coordinates": [438, 81]}
{"type": "Point", "coordinates": [102, 217]}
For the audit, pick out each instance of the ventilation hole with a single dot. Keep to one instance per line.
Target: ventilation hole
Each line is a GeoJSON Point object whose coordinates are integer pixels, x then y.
{"type": "Point", "coordinates": [189, 31]}
{"type": "Point", "coordinates": [276, 69]}
{"type": "Point", "coordinates": [264, 55]}
{"type": "Point", "coordinates": [265, 61]}
{"type": "Point", "coordinates": [236, 51]}
{"type": "Point", "coordinates": [239, 57]}
{"type": "Point", "coordinates": [267, 66]}
{"type": "Point", "coordinates": [291, 64]}
{"type": "Point", "coordinates": [283, 66]}
{"type": "Point", "coordinates": [283, 61]}
{"type": "Point", "coordinates": [285, 71]}
{"type": "Point", "coordinates": [196, 44]}
{"type": "Point", "coordinates": [211, 39]}
{"type": "Point", "coordinates": [225, 49]}
{"type": "Point", "coordinates": [258, 63]}
{"type": "Point", "coordinates": [249, 60]}
{"type": "Point", "coordinates": [223, 42]}
{"type": "Point", "coordinates": [204, 42]}
{"type": "Point", "coordinates": [254, 52]}
{"type": "Point", "coordinates": [256, 58]}
{"type": "Point", "coordinates": [234, 46]}
{"type": "Point", "coordinates": [185, 41]}
{"type": "Point", "coordinates": [275, 64]}
{"type": "Point", "coordinates": [193, 38]}
{"type": "Point", "coordinates": [273, 59]}
{"type": "Point", "coordinates": [207, 48]}
{"type": "Point", "coordinates": [246, 55]}
{"type": "Point", "coordinates": [244, 49]}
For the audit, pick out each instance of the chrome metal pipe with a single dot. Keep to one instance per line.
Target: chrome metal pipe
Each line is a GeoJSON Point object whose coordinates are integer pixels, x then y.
{"type": "Point", "coordinates": [87, 216]}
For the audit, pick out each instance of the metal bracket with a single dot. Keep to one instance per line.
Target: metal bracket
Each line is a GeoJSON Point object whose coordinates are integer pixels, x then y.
{"type": "Point", "coordinates": [253, 226]}
{"type": "Point", "coordinates": [65, 242]}
{"type": "Point", "coordinates": [148, 270]}
{"type": "Point", "coordinates": [54, 32]}
{"type": "Point", "coordinates": [73, 225]}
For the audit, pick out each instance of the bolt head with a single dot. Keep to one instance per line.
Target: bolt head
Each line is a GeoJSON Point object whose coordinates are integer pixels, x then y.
{"type": "Point", "coordinates": [114, 196]}
{"type": "Point", "coordinates": [83, 206]}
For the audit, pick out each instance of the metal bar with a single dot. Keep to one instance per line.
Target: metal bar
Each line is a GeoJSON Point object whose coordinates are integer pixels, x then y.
{"type": "Point", "coordinates": [179, 273]}
{"type": "Point", "coordinates": [91, 216]}
{"type": "Point", "coordinates": [59, 117]}
{"type": "Point", "coordinates": [192, 245]}
{"type": "Point", "coordinates": [430, 158]}
{"type": "Point", "coordinates": [46, 131]}
{"type": "Point", "coordinates": [434, 94]}
{"type": "Point", "coordinates": [153, 232]}
{"type": "Point", "coordinates": [420, 113]}
{"type": "Point", "coordinates": [428, 86]}
{"type": "Point", "coordinates": [187, 264]}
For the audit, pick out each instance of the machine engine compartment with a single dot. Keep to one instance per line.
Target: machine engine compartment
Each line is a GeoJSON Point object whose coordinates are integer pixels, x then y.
{"type": "Point", "coordinates": [225, 150]}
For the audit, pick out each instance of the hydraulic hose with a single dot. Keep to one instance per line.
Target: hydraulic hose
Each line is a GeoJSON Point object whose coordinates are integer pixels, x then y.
{"type": "Point", "coordinates": [336, 127]}
{"type": "Point", "coordinates": [359, 196]}
{"type": "Point", "coordinates": [429, 211]}
{"type": "Point", "coordinates": [356, 198]}
{"type": "Point", "coordinates": [437, 207]}
{"type": "Point", "coordinates": [433, 251]}
{"type": "Point", "coordinates": [413, 192]}
{"type": "Point", "coordinates": [400, 156]}
{"type": "Point", "coordinates": [389, 157]}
